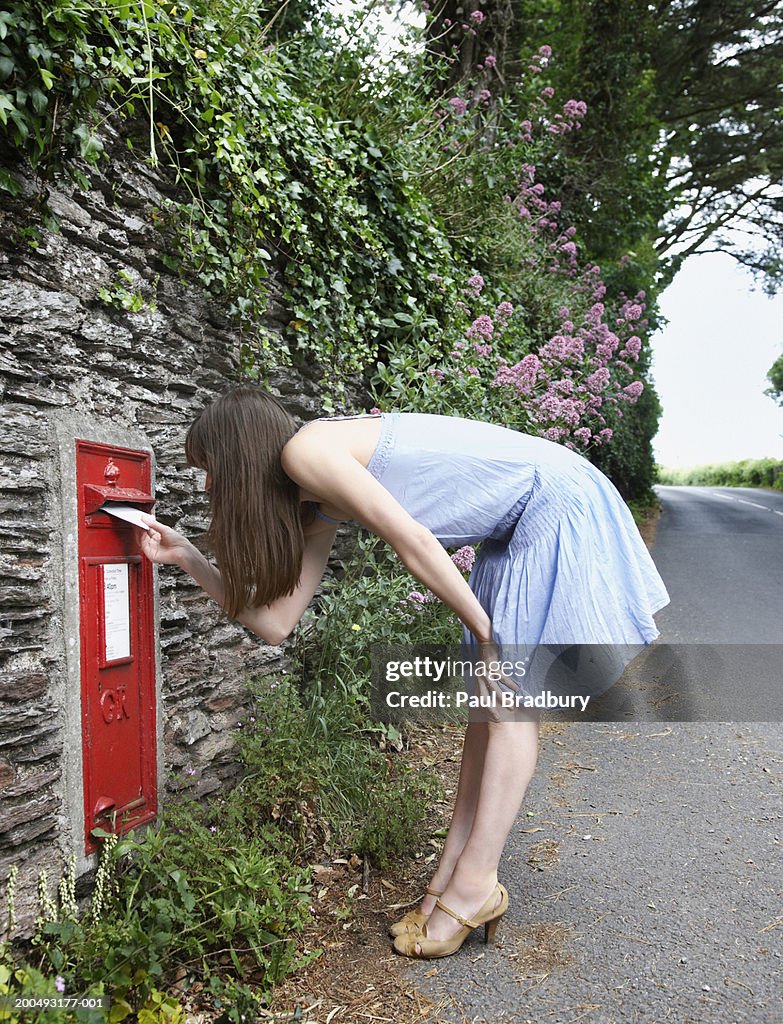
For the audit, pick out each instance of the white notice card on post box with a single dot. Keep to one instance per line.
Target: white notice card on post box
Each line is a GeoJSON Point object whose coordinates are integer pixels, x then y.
{"type": "Point", "coordinates": [116, 611]}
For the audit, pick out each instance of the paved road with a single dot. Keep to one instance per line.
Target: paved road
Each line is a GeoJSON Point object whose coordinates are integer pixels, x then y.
{"type": "Point", "coordinates": [720, 551]}
{"type": "Point", "coordinates": [720, 656]}
{"type": "Point", "coordinates": [652, 890]}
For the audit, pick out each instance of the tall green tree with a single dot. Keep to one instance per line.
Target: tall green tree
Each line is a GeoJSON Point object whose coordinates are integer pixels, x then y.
{"type": "Point", "coordinates": [775, 378]}
{"type": "Point", "coordinates": [719, 99]}
{"type": "Point", "coordinates": [683, 143]}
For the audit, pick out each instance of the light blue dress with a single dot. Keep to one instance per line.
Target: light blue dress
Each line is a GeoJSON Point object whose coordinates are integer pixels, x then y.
{"type": "Point", "coordinates": [561, 561]}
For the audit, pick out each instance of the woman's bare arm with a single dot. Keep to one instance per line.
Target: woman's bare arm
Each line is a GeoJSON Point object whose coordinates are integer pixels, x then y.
{"type": "Point", "coordinates": [272, 622]}
{"type": "Point", "coordinates": [338, 477]}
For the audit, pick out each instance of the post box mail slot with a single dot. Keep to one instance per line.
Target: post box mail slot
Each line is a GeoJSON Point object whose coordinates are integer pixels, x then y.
{"type": "Point", "coordinates": [117, 642]}
{"type": "Point", "coordinates": [95, 496]}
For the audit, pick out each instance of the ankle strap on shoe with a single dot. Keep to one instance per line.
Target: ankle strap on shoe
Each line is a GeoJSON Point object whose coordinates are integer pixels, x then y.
{"type": "Point", "coordinates": [464, 921]}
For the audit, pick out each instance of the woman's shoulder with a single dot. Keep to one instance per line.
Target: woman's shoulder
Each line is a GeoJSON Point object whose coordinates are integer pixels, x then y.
{"type": "Point", "coordinates": [355, 434]}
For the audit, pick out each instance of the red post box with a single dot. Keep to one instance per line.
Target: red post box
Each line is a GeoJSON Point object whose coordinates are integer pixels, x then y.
{"type": "Point", "coordinates": [117, 642]}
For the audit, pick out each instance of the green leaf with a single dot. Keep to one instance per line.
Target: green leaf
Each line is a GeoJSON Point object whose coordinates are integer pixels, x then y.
{"type": "Point", "coordinates": [38, 100]}
{"type": "Point", "coordinates": [47, 77]}
{"type": "Point", "coordinates": [120, 1009]}
{"type": "Point", "coordinates": [100, 833]}
{"type": "Point", "coordinates": [8, 182]}
{"type": "Point", "coordinates": [90, 146]}
{"type": "Point", "coordinates": [6, 107]}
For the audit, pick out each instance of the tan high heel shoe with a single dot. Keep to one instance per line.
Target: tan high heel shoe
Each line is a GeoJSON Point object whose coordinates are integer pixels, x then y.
{"type": "Point", "coordinates": [489, 915]}
{"type": "Point", "coordinates": [414, 919]}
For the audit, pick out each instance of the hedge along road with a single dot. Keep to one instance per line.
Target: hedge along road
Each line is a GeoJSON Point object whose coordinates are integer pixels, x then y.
{"type": "Point", "coordinates": [645, 870]}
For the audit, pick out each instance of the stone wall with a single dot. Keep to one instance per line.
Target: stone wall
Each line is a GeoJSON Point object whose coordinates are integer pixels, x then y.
{"type": "Point", "coordinates": [71, 363]}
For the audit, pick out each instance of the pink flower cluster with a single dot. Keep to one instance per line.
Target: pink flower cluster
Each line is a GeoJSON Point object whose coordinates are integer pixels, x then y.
{"type": "Point", "coordinates": [540, 60]}
{"type": "Point", "coordinates": [521, 377]}
{"type": "Point", "coordinates": [482, 327]}
{"type": "Point", "coordinates": [464, 558]}
{"type": "Point", "coordinates": [564, 390]}
{"type": "Point", "coordinates": [475, 285]}
{"type": "Point", "coordinates": [575, 384]}
{"type": "Point", "coordinates": [632, 348]}
{"type": "Point", "coordinates": [503, 313]}
{"type": "Point", "coordinates": [567, 121]}
{"type": "Point", "coordinates": [575, 109]}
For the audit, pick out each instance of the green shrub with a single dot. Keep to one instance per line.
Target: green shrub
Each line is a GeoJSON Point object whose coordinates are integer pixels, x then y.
{"type": "Point", "coordinates": [310, 769]}
{"type": "Point", "coordinates": [369, 602]}
{"type": "Point", "coordinates": [176, 899]}
{"type": "Point", "coordinates": [744, 473]}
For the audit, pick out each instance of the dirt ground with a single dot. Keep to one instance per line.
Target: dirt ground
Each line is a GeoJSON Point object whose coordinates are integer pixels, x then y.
{"type": "Point", "coordinates": [648, 527]}
{"type": "Point", "coordinates": [359, 978]}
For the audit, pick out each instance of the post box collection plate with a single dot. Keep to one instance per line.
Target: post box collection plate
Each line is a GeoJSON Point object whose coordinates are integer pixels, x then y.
{"type": "Point", "coordinates": [117, 642]}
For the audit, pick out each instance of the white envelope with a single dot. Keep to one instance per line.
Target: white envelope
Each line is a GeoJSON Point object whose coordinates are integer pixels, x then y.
{"type": "Point", "coordinates": [129, 513]}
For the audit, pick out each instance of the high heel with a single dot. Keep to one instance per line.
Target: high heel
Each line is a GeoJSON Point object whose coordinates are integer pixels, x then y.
{"type": "Point", "coordinates": [490, 928]}
{"type": "Point", "coordinates": [489, 915]}
{"type": "Point", "coordinates": [414, 919]}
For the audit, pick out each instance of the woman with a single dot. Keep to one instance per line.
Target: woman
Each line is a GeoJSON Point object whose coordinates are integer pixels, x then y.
{"type": "Point", "coordinates": [561, 563]}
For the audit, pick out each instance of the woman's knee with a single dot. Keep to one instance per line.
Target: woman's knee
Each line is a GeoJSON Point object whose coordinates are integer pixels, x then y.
{"type": "Point", "coordinates": [521, 723]}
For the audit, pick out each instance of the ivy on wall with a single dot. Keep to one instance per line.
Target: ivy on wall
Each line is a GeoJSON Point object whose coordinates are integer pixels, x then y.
{"type": "Point", "coordinates": [263, 174]}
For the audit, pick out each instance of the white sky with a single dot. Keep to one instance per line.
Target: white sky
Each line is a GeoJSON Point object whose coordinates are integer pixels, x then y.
{"type": "Point", "coordinates": [710, 365]}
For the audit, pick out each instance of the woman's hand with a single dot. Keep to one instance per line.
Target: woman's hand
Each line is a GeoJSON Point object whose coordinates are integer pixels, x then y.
{"type": "Point", "coordinates": [489, 657]}
{"type": "Point", "coordinates": [492, 684]}
{"type": "Point", "coordinates": [161, 544]}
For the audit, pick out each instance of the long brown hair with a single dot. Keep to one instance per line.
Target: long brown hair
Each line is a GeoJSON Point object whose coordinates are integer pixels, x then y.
{"type": "Point", "coordinates": [256, 529]}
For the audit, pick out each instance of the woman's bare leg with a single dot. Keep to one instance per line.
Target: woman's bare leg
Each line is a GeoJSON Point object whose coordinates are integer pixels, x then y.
{"type": "Point", "coordinates": [471, 768]}
{"type": "Point", "coordinates": [509, 762]}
